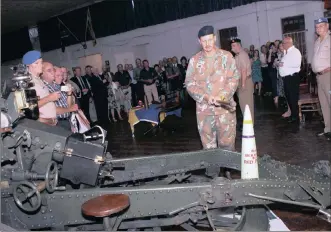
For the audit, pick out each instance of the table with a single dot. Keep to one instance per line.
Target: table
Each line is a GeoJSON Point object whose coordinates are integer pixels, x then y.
{"type": "Point", "coordinates": [155, 114]}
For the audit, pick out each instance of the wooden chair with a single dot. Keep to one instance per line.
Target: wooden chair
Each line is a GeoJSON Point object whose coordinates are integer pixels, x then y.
{"type": "Point", "coordinates": [105, 206]}
{"type": "Point", "coordinates": [308, 103]}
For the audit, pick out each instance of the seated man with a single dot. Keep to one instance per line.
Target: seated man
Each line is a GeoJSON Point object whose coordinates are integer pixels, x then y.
{"type": "Point", "coordinates": [52, 78]}
{"type": "Point", "coordinates": [47, 108]}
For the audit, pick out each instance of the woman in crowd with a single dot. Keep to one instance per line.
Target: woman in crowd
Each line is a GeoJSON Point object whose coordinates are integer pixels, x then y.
{"type": "Point", "coordinates": [161, 82]}
{"type": "Point", "coordinates": [183, 67]}
{"type": "Point", "coordinates": [256, 71]}
{"type": "Point", "coordinates": [115, 98]}
{"type": "Point", "coordinates": [265, 71]}
{"type": "Point", "coordinates": [272, 61]}
{"type": "Point", "coordinates": [251, 51]}
{"type": "Point", "coordinates": [280, 83]}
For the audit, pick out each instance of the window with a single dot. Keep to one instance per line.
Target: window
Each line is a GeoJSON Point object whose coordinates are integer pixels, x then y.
{"type": "Point", "coordinates": [34, 37]}
{"type": "Point", "coordinates": [292, 24]}
{"type": "Point", "coordinates": [327, 14]}
{"type": "Point", "coordinates": [226, 35]}
{"type": "Point", "coordinates": [295, 28]}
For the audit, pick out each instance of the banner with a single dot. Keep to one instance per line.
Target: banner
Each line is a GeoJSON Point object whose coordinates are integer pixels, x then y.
{"type": "Point", "coordinates": [90, 27]}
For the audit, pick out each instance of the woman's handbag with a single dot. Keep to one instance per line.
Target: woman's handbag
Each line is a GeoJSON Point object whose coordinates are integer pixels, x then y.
{"type": "Point", "coordinates": [79, 122]}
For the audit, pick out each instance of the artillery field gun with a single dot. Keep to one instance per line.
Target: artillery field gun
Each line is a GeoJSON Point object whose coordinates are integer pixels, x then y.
{"type": "Point", "coordinates": [52, 179]}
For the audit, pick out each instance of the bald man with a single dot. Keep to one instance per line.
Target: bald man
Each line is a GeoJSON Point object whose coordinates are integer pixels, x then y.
{"type": "Point", "coordinates": [289, 68]}
{"type": "Point", "coordinates": [63, 105]}
{"type": "Point", "coordinates": [46, 105]}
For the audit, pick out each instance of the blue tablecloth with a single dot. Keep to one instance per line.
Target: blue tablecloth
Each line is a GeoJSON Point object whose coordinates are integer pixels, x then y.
{"type": "Point", "coordinates": [152, 113]}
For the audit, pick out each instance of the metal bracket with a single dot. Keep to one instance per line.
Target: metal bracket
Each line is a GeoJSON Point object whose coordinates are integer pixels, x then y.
{"type": "Point", "coordinates": [316, 194]}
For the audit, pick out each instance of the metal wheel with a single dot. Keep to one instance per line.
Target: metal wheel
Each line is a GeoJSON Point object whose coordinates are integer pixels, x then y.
{"type": "Point", "coordinates": [51, 177]}
{"type": "Point", "coordinates": [27, 191]}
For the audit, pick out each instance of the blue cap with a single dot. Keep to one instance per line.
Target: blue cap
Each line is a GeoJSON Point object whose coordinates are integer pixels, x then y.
{"type": "Point", "coordinates": [321, 20]}
{"type": "Point", "coordinates": [31, 57]}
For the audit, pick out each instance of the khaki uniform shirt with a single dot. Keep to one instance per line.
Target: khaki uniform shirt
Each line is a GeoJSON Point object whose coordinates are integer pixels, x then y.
{"type": "Point", "coordinates": [49, 109]}
{"type": "Point", "coordinates": [243, 63]}
{"type": "Point", "coordinates": [217, 77]}
{"type": "Point", "coordinates": [321, 58]}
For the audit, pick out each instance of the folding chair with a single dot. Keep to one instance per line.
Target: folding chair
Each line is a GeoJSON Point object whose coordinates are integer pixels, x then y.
{"type": "Point", "coordinates": [308, 103]}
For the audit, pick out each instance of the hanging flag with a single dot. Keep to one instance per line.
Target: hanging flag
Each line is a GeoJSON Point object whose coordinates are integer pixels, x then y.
{"type": "Point", "coordinates": [65, 33]}
{"type": "Point", "coordinates": [90, 27]}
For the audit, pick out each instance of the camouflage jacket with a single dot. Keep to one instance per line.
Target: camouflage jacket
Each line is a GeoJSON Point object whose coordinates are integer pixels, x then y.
{"type": "Point", "coordinates": [220, 81]}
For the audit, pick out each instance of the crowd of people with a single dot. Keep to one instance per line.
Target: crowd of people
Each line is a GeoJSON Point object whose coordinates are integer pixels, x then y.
{"type": "Point", "coordinates": [265, 71]}
{"type": "Point", "coordinates": [128, 87]}
{"type": "Point", "coordinates": [271, 71]}
{"type": "Point", "coordinates": [102, 95]}
{"type": "Point", "coordinates": [214, 76]}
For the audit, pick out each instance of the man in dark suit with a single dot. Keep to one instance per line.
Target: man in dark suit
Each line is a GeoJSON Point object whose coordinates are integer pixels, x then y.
{"type": "Point", "coordinates": [100, 97]}
{"type": "Point", "coordinates": [85, 89]}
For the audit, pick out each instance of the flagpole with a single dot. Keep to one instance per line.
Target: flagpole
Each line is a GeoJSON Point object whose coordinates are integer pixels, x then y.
{"type": "Point", "coordinates": [90, 27]}
{"type": "Point", "coordinates": [84, 46]}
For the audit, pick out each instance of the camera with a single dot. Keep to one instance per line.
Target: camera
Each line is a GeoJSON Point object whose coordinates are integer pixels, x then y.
{"type": "Point", "coordinates": [25, 98]}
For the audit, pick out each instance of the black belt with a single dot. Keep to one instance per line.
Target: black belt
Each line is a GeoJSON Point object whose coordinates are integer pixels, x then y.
{"type": "Point", "coordinates": [62, 119]}
{"type": "Point", "coordinates": [292, 75]}
{"type": "Point", "coordinates": [320, 73]}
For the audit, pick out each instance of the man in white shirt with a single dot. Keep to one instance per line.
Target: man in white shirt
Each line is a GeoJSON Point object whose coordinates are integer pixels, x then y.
{"type": "Point", "coordinates": [289, 68]}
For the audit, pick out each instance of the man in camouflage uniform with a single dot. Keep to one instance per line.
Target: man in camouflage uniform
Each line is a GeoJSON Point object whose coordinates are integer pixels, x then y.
{"type": "Point", "coordinates": [212, 76]}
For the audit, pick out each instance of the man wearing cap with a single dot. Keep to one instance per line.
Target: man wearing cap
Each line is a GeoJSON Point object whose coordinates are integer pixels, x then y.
{"type": "Point", "coordinates": [246, 86]}
{"type": "Point", "coordinates": [47, 109]}
{"type": "Point", "coordinates": [321, 66]}
{"type": "Point", "coordinates": [211, 78]}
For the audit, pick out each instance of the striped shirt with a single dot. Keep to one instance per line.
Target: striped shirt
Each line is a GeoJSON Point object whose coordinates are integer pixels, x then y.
{"type": "Point", "coordinates": [62, 102]}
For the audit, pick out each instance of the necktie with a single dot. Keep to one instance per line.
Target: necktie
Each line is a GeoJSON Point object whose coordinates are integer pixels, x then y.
{"type": "Point", "coordinates": [81, 81]}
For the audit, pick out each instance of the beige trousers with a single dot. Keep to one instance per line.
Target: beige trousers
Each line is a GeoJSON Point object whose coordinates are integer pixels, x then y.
{"type": "Point", "coordinates": [246, 97]}
{"type": "Point", "coordinates": [149, 91]}
{"type": "Point", "coordinates": [323, 85]}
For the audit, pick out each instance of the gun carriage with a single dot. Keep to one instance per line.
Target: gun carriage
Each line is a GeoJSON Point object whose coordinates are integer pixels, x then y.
{"type": "Point", "coordinates": [52, 179]}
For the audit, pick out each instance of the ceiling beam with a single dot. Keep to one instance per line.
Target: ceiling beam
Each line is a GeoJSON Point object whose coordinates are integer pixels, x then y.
{"type": "Point", "coordinates": [89, 3]}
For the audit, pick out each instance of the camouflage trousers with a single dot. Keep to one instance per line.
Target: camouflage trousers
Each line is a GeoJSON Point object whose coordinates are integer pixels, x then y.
{"type": "Point", "coordinates": [217, 131]}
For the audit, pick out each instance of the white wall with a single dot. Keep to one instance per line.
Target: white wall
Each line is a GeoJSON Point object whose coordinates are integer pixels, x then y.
{"type": "Point", "coordinates": [256, 24]}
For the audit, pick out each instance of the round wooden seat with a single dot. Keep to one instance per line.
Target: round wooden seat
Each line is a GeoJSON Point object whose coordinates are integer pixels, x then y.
{"type": "Point", "coordinates": [106, 205]}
